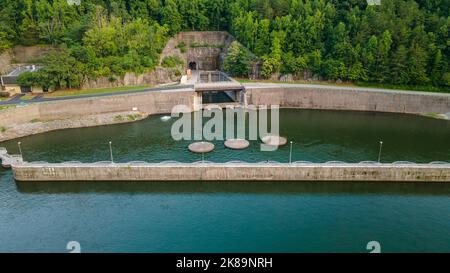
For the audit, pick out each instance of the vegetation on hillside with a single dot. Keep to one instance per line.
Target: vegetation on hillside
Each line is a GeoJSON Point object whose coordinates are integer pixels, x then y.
{"type": "Point", "coordinates": [403, 42]}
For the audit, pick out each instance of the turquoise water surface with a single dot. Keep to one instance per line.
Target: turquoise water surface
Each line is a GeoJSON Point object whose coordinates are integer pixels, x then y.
{"type": "Point", "coordinates": [233, 216]}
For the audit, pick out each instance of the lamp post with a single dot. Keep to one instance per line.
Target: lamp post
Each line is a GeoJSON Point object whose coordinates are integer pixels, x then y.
{"type": "Point", "coordinates": [20, 148]}
{"type": "Point", "coordinates": [290, 153]}
{"type": "Point", "coordinates": [379, 153]}
{"type": "Point", "coordinates": [110, 152]}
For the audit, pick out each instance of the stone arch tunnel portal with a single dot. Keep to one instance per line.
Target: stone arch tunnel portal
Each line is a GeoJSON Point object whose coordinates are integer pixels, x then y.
{"type": "Point", "coordinates": [192, 65]}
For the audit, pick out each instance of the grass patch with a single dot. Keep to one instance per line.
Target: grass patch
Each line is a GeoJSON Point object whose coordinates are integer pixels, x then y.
{"type": "Point", "coordinates": [118, 118]}
{"type": "Point", "coordinates": [71, 93]}
{"type": "Point", "coordinates": [34, 120]}
{"type": "Point", "coordinates": [172, 61]}
{"type": "Point", "coordinates": [439, 89]}
{"type": "Point", "coordinates": [433, 115]}
{"type": "Point", "coordinates": [182, 47]}
{"type": "Point", "coordinates": [358, 84]}
{"type": "Point", "coordinates": [2, 129]}
{"type": "Point", "coordinates": [245, 80]}
{"type": "Point", "coordinates": [4, 107]}
{"type": "Point", "coordinates": [28, 97]}
{"type": "Point", "coordinates": [133, 117]}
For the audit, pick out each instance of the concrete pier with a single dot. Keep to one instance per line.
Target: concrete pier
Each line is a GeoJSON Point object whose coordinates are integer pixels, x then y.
{"type": "Point", "coordinates": [9, 160]}
{"type": "Point", "coordinates": [233, 171]}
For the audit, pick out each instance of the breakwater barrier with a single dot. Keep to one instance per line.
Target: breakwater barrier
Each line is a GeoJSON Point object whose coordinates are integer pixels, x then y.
{"type": "Point", "coordinates": [230, 171]}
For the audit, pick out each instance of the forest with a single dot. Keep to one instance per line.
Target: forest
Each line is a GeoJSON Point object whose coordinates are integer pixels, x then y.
{"type": "Point", "coordinates": [400, 42]}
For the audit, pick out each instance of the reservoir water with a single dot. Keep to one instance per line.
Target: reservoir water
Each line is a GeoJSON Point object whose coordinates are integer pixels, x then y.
{"type": "Point", "coordinates": [234, 216]}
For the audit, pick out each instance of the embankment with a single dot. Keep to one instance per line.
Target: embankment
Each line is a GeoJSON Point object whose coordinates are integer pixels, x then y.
{"type": "Point", "coordinates": [348, 98]}
{"type": "Point", "coordinates": [84, 112]}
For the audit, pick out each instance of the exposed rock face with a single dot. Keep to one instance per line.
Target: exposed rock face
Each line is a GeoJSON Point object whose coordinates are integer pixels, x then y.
{"type": "Point", "coordinates": [160, 75]}
{"type": "Point", "coordinates": [5, 62]}
{"type": "Point", "coordinates": [20, 55]}
{"type": "Point", "coordinates": [203, 50]}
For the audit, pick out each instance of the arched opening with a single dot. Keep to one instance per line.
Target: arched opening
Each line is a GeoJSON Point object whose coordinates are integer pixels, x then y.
{"type": "Point", "coordinates": [193, 66]}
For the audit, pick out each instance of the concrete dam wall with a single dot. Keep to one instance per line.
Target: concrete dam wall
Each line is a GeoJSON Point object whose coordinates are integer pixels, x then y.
{"type": "Point", "coordinates": [347, 98]}
{"type": "Point", "coordinates": [236, 171]}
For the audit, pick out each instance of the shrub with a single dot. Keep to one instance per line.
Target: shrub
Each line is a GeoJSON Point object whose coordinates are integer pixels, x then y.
{"type": "Point", "coordinates": [133, 117]}
{"type": "Point", "coordinates": [118, 118]}
{"type": "Point", "coordinates": [172, 61]}
{"type": "Point", "coordinates": [182, 47]}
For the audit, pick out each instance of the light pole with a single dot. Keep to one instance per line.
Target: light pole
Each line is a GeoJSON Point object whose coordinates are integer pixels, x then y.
{"type": "Point", "coordinates": [20, 148]}
{"type": "Point", "coordinates": [290, 154]}
{"type": "Point", "coordinates": [110, 151]}
{"type": "Point", "coordinates": [379, 153]}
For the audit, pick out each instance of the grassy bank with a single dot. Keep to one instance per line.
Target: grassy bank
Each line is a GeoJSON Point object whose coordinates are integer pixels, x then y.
{"type": "Point", "coordinates": [28, 97]}
{"type": "Point", "coordinates": [70, 93]}
{"type": "Point", "coordinates": [3, 107]}
{"type": "Point", "coordinates": [358, 84]}
{"type": "Point", "coordinates": [244, 80]}
{"type": "Point", "coordinates": [441, 89]}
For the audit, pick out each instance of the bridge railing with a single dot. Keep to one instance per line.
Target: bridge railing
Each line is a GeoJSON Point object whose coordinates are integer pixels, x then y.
{"type": "Point", "coordinates": [8, 160]}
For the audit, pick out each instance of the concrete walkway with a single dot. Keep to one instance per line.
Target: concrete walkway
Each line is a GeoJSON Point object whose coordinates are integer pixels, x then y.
{"type": "Point", "coordinates": [338, 88]}
{"type": "Point", "coordinates": [190, 87]}
{"type": "Point", "coordinates": [40, 98]}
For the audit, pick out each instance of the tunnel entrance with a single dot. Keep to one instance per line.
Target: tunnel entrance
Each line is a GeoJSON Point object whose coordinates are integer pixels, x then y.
{"type": "Point", "coordinates": [193, 66]}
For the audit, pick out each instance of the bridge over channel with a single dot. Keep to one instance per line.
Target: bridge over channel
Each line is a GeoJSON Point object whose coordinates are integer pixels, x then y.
{"type": "Point", "coordinates": [215, 87]}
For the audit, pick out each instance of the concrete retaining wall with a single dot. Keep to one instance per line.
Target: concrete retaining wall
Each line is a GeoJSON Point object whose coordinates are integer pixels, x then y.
{"type": "Point", "coordinates": [206, 58]}
{"type": "Point", "coordinates": [231, 172]}
{"type": "Point", "coordinates": [159, 75]}
{"type": "Point", "coordinates": [15, 121]}
{"type": "Point", "coordinates": [152, 102]}
{"type": "Point", "coordinates": [161, 102]}
{"type": "Point", "coordinates": [337, 98]}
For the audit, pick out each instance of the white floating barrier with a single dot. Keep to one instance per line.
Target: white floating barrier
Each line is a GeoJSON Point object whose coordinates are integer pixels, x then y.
{"type": "Point", "coordinates": [201, 147]}
{"type": "Point", "coordinates": [274, 140]}
{"type": "Point", "coordinates": [236, 144]}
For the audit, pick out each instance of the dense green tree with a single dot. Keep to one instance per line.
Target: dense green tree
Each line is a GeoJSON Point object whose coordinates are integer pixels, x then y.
{"type": "Point", "coordinates": [4, 42]}
{"type": "Point", "coordinates": [439, 68]}
{"type": "Point", "coordinates": [171, 17]}
{"type": "Point", "coordinates": [399, 68]}
{"type": "Point", "coordinates": [237, 62]}
{"type": "Point", "coordinates": [398, 42]}
{"type": "Point", "coordinates": [262, 43]}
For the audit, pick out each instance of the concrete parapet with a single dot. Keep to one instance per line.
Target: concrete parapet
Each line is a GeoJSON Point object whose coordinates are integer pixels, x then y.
{"type": "Point", "coordinates": [348, 98]}
{"type": "Point", "coordinates": [233, 171]}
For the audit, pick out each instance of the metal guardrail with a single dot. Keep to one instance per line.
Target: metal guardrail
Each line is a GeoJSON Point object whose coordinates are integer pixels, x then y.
{"type": "Point", "coordinates": [235, 162]}
{"type": "Point", "coordinates": [8, 160]}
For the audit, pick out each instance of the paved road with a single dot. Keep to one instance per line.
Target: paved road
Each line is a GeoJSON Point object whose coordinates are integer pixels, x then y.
{"type": "Point", "coordinates": [40, 98]}
{"type": "Point", "coordinates": [335, 87]}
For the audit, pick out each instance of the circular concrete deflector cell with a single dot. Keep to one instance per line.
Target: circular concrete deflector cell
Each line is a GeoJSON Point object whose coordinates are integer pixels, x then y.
{"type": "Point", "coordinates": [201, 147]}
{"type": "Point", "coordinates": [237, 143]}
{"type": "Point", "coordinates": [274, 140]}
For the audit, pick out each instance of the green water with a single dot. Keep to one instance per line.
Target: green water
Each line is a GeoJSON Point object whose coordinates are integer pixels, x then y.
{"type": "Point", "coordinates": [234, 217]}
